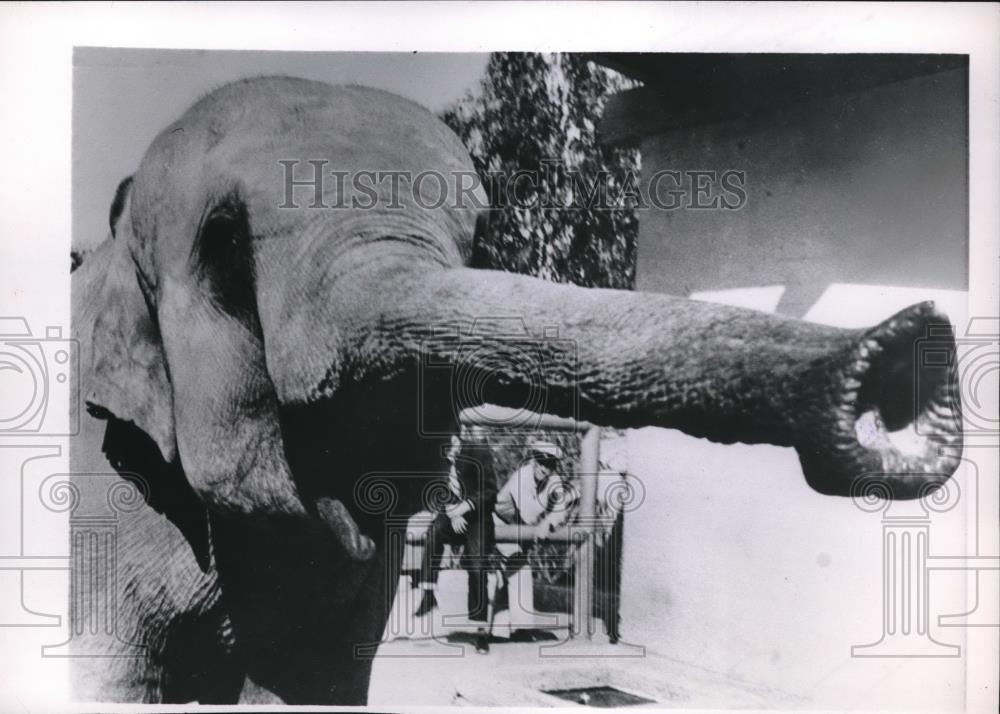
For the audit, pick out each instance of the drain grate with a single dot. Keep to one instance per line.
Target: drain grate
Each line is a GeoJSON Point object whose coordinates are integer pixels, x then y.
{"type": "Point", "coordinates": [599, 697]}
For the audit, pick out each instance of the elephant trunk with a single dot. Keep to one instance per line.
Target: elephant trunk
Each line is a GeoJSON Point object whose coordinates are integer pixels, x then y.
{"type": "Point", "coordinates": [879, 402]}
{"type": "Point", "coordinates": [890, 410]}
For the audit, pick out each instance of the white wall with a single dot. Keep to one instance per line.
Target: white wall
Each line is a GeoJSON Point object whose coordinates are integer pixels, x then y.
{"type": "Point", "coordinates": [733, 564]}
{"type": "Point", "coordinates": [868, 187]}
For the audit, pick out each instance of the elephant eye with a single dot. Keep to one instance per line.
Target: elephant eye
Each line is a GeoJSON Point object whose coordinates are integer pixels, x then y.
{"type": "Point", "coordinates": [224, 259]}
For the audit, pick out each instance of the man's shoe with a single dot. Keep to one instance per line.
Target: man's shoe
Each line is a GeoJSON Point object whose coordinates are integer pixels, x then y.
{"type": "Point", "coordinates": [427, 603]}
{"type": "Point", "coordinates": [482, 642]}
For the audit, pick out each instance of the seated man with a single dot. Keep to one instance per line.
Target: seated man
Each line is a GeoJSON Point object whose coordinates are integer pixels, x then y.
{"type": "Point", "coordinates": [464, 521]}
{"type": "Point", "coordinates": [538, 496]}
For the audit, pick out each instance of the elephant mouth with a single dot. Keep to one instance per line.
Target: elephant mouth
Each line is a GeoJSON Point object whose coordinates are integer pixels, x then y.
{"type": "Point", "coordinates": [898, 417]}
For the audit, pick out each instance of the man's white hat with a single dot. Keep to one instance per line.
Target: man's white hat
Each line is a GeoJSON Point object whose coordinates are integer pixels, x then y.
{"type": "Point", "coordinates": [546, 448]}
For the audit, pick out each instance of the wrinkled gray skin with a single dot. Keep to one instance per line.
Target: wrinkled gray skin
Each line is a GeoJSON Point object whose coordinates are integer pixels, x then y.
{"type": "Point", "coordinates": [248, 365]}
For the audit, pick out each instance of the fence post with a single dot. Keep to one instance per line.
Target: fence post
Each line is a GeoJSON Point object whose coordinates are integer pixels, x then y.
{"type": "Point", "coordinates": [583, 571]}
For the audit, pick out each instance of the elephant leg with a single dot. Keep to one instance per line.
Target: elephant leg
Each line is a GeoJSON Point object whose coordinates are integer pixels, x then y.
{"type": "Point", "coordinates": [300, 612]}
{"type": "Point", "coordinates": [334, 667]}
{"type": "Point", "coordinates": [365, 631]}
{"type": "Point", "coordinates": [354, 654]}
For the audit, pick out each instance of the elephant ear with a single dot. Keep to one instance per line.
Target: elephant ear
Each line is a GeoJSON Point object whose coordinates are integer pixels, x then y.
{"type": "Point", "coordinates": [122, 353]}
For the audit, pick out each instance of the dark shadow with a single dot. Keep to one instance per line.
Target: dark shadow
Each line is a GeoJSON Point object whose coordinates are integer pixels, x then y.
{"type": "Point", "coordinates": [522, 635]}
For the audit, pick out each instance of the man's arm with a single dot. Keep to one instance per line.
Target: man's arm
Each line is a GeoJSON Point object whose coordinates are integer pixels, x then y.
{"type": "Point", "coordinates": [476, 483]}
{"type": "Point", "coordinates": [561, 497]}
{"type": "Point", "coordinates": [459, 509]}
{"type": "Point", "coordinates": [506, 504]}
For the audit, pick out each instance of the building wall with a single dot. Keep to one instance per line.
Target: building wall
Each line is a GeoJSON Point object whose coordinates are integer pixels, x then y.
{"type": "Point", "coordinates": [867, 187]}
{"type": "Point", "coordinates": [856, 207]}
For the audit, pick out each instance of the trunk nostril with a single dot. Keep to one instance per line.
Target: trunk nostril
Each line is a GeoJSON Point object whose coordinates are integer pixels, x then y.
{"type": "Point", "coordinates": [875, 434]}
{"type": "Point", "coordinates": [901, 392]}
{"type": "Point", "coordinates": [898, 385]}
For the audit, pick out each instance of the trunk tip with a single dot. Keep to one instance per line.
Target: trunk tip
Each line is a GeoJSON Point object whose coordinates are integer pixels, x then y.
{"type": "Point", "coordinates": [893, 411]}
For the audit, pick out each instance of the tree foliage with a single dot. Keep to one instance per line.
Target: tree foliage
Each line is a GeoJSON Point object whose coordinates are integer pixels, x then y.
{"type": "Point", "coordinates": [538, 113]}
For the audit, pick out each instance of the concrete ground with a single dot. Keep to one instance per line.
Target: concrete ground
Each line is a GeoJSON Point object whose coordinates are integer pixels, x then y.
{"type": "Point", "coordinates": [432, 661]}
{"type": "Point", "coordinates": [449, 672]}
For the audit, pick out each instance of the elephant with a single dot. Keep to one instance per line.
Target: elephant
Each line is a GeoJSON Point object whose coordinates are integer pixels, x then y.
{"type": "Point", "coordinates": [258, 365]}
